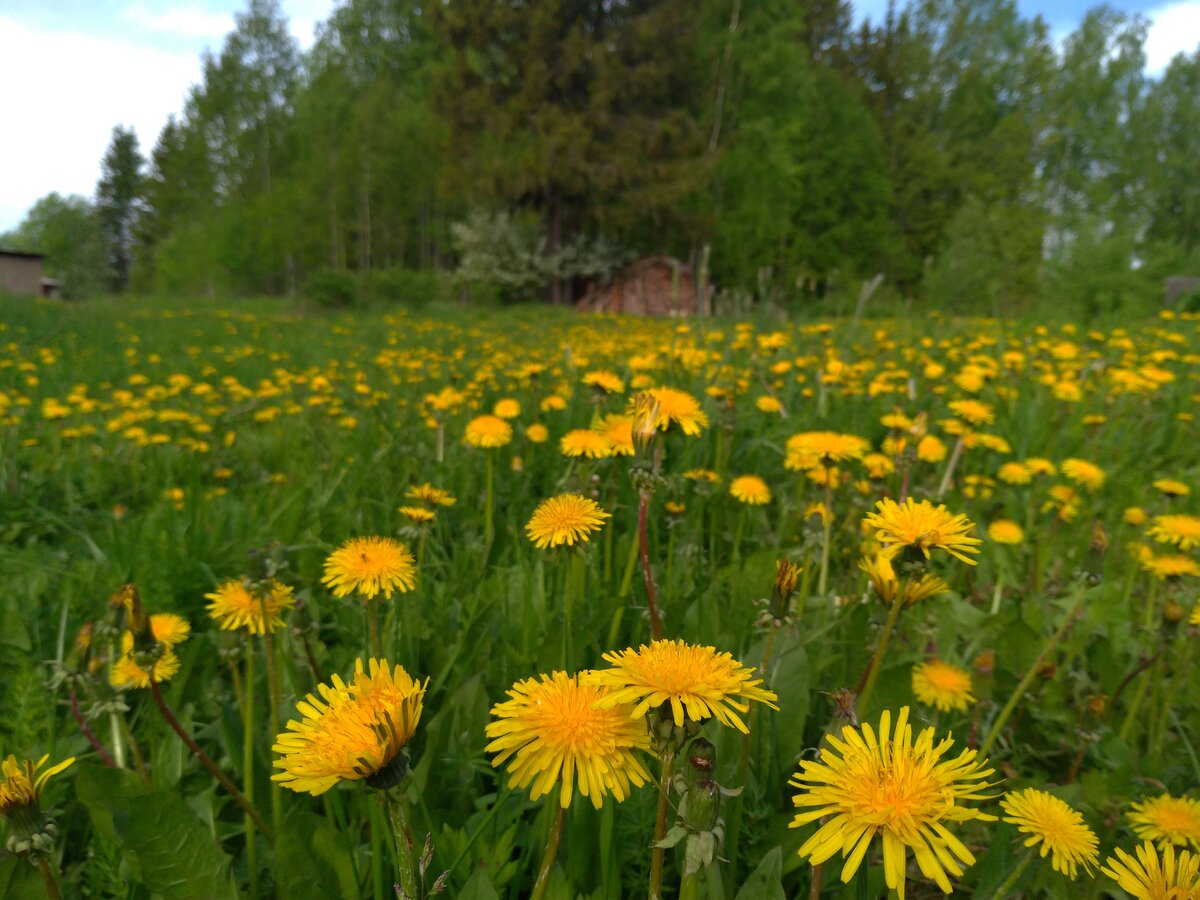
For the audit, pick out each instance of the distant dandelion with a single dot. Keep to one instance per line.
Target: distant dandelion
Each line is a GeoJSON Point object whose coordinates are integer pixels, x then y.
{"type": "Point", "coordinates": [586, 443]}
{"type": "Point", "coordinates": [564, 519]}
{"type": "Point", "coordinates": [941, 685]}
{"type": "Point", "coordinates": [131, 671]}
{"type": "Point", "coordinates": [1084, 473]}
{"type": "Point", "coordinates": [1005, 531]}
{"type": "Point", "coordinates": [1182, 531]}
{"type": "Point", "coordinates": [1059, 829]}
{"type": "Point", "coordinates": [750, 489]}
{"type": "Point", "coordinates": [370, 566]}
{"type": "Point", "coordinates": [233, 606]}
{"type": "Point", "coordinates": [1170, 566]}
{"type": "Point", "coordinates": [552, 729]}
{"type": "Point", "coordinates": [488, 432]}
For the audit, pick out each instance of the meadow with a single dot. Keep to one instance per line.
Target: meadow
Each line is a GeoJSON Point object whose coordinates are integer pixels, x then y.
{"type": "Point", "coordinates": [186, 498]}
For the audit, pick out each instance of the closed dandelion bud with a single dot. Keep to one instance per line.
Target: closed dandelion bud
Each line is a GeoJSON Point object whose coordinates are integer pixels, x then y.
{"type": "Point", "coordinates": [646, 418]}
{"type": "Point", "coordinates": [1173, 612]}
{"type": "Point", "coordinates": [786, 576]}
{"type": "Point", "coordinates": [703, 805]}
{"type": "Point", "coordinates": [701, 762]}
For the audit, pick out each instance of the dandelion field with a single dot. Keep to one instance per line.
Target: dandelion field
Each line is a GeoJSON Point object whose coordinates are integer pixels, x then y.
{"type": "Point", "coordinates": [551, 492]}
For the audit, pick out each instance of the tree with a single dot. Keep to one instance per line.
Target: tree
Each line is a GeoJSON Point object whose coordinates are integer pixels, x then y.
{"type": "Point", "coordinates": [118, 201]}
{"type": "Point", "coordinates": [584, 112]}
{"type": "Point", "coordinates": [68, 231]}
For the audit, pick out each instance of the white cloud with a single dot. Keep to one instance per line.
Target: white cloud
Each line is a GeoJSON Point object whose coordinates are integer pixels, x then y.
{"type": "Point", "coordinates": [64, 92]}
{"type": "Point", "coordinates": [1175, 29]}
{"type": "Point", "coordinates": [190, 23]}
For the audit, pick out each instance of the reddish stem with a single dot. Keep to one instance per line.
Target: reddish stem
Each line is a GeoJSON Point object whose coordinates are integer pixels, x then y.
{"type": "Point", "coordinates": [89, 734]}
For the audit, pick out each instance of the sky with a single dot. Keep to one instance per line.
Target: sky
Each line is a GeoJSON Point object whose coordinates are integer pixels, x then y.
{"type": "Point", "coordinates": [71, 70]}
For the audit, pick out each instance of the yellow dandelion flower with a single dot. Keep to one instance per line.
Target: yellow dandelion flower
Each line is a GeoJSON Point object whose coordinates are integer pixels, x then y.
{"type": "Point", "coordinates": [768, 404]}
{"type": "Point", "coordinates": [750, 489]}
{"type": "Point", "coordinates": [1005, 531]}
{"type": "Point", "coordinates": [1167, 820]}
{"type": "Point", "coordinates": [1040, 466]}
{"type": "Point", "coordinates": [553, 403]}
{"type": "Point", "coordinates": [922, 526]}
{"type": "Point", "coordinates": [1173, 877]}
{"type": "Point", "coordinates": [169, 629]}
{"type": "Point", "coordinates": [867, 784]}
{"type": "Point", "coordinates": [1060, 830]}
{"type": "Point", "coordinates": [553, 730]}
{"type": "Point", "coordinates": [427, 493]}
{"type": "Point", "coordinates": [973, 411]}
{"type": "Point", "coordinates": [587, 443]}
{"type": "Point", "coordinates": [1135, 515]}
{"type": "Point", "coordinates": [419, 515]}
{"type": "Point", "coordinates": [619, 431]}
{"type": "Point", "coordinates": [23, 784]}
{"type": "Point", "coordinates": [537, 433]}
{"type": "Point", "coordinates": [564, 519]}
{"type": "Point", "coordinates": [939, 684]}
{"type": "Point", "coordinates": [604, 381]}
{"type": "Point", "coordinates": [370, 566]}
{"type": "Point", "coordinates": [1014, 473]}
{"type": "Point", "coordinates": [352, 731]}
{"type": "Point", "coordinates": [931, 449]}
{"type": "Point", "coordinates": [507, 408]}
{"type": "Point", "coordinates": [488, 432]}
{"type": "Point", "coordinates": [886, 586]}
{"type": "Point", "coordinates": [674, 509]}
{"type": "Point", "coordinates": [233, 606]}
{"type": "Point", "coordinates": [1194, 618]}
{"type": "Point", "coordinates": [678, 408]}
{"type": "Point", "coordinates": [1182, 531]}
{"type": "Point", "coordinates": [810, 449]}
{"type": "Point", "coordinates": [698, 682]}
{"type": "Point", "coordinates": [707, 476]}
{"type": "Point", "coordinates": [128, 672]}
{"type": "Point", "coordinates": [1170, 566]}
{"type": "Point", "coordinates": [1084, 473]}
{"type": "Point", "coordinates": [878, 465]}
{"type": "Point", "coordinates": [1172, 488]}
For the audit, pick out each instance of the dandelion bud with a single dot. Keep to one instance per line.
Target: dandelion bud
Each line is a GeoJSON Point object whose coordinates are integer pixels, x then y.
{"type": "Point", "coordinates": [701, 761]}
{"type": "Point", "coordinates": [1173, 612]}
{"type": "Point", "coordinates": [703, 805]}
{"type": "Point", "coordinates": [647, 416]}
{"type": "Point", "coordinates": [786, 575]}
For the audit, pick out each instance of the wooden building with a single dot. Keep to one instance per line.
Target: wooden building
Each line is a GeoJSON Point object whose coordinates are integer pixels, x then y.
{"type": "Point", "coordinates": [21, 273]}
{"type": "Point", "coordinates": [654, 286]}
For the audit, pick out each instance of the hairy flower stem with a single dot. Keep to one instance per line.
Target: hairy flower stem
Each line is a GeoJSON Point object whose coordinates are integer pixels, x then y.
{"type": "Point", "coordinates": [238, 797]}
{"type": "Point", "coordinates": [373, 642]}
{"type": "Point", "coordinates": [87, 732]}
{"type": "Point", "coordinates": [656, 626]}
{"type": "Point", "coordinates": [689, 886]}
{"type": "Point", "coordinates": [52, 890]}
{"type": "Point", "coordinates": [403, 844]}
{"type": "Point", "coordinates": [550, 855]}
{"type": "Point", "coordinates": [1013, 877]}
{"type": "Point", "coordinates": [657, 853]}
{"type": "Point", "coordinates": [248, 768]}
{"type": "Point", "coordinates": [864, 696]}
{"type": "Point", "coordinates": [827, 523]}
{"type": "Point", "coordinates": [574, 587]}
{"type": "Point", "coordinates": [1027, 679]}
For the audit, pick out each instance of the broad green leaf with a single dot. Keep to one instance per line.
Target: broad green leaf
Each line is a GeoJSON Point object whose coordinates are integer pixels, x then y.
{"type": "Point", "coordinates": [765, 882]}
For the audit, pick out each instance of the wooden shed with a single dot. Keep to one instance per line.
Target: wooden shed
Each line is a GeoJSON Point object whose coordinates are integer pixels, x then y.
{"type": "Point", "coordinates": [647, 288]}
{"type": "Point", "coordinates": [21, 273]}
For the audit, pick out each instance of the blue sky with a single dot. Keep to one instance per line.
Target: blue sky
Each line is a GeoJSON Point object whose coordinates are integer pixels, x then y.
{"type": "Point", "coordinates": [72, 69]}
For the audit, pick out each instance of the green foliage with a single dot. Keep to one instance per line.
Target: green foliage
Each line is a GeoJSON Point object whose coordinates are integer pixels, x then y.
{"type": "Point", "coordinates": [333, 289]}
{"type": "Point", "coordinates": [68, 233]}
{"type": "Point", "coordinates": [117, 202]}
{"type": "Point", "coordinates": [411, 288]}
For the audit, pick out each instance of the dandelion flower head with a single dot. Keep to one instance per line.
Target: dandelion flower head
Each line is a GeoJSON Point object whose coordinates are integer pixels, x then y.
{"type": "Point", "coordinates": [750, 489]}
{"type": "Point", "coordinates": [488, 432]}
{"type": "Point", "coordinates": [23, 784]}
{"type": "Point", "coordinates": [369, 566]}
{"type": "Point", "coordinates": [1059, 829]}
{"type": "Point", "coordinates": [697, 682]}
{"type": "Point", "coordinates": [351, 731]}
{"type": "Point", "coordinates": [869, 783]}
{"type": "Point", "coordinates": [1149, 877]}
{"type": "Point", "coordinates": [922, 526]}
{"type": "Point", "coordinates": [1180, 530]}
{"type": "Point", "coordinates": [552, 730]}
{"type": "Point", "coordinates": [233, 606]}
{"type": "Point", "coordinates": [941, 685]}
{"type": "Point", "coordinates": [1167, 820]}
{"type": "Point", "coordinates": [564, 519]}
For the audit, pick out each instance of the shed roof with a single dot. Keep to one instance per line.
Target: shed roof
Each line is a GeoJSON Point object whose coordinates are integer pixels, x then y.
{"type": "Point", "coordinates": [22, 254]}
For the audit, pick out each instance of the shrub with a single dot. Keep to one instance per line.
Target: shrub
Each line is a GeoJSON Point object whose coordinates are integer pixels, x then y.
{"type": "Point", "coordinates": [332, 288]}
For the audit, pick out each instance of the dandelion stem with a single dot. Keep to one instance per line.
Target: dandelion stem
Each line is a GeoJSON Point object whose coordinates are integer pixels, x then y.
{"type": "Point", "coordinates": [48, 877]}
{"type": "Point", "coordinates": [273, 700]}
{"type": "Point", "coordinates": [657, 853]}
{"type": "Point", "coordinates": [656, 627]}
{"type": "Point", "coordinates": [864, 696]}
{"type": "Point", "coordinates": [827, 524]}
{"type": "Point", "coordinates": [404, 860]}
{"type": "Point", "coordinates": [689, 886]}
{"type": "Point", "coordinates": [950, 466]}
{"type": "Point", "coordinates": [373, 629]}
{"type": "Point", "coordinates": [1014, 876]}
{"type": "Point", "coordinates": [1027, 679]}
{"type": "Point", "coordinates": [87, 732]}
{"type": "Point", "coordinates": [238, 797]}
{"type": "Point", "coordinates": [489, 528]}
{"type": "Point", "coordinates": [248, 768]}
{"type": "Point", "coordinates": [551, 854]}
